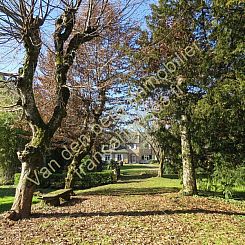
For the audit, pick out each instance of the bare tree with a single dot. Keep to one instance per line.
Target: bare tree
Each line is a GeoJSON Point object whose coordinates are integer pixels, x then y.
{"type": "Point", "coordinates": [21, 21]}
{"type": "Point", "coordinates": [100, 68]}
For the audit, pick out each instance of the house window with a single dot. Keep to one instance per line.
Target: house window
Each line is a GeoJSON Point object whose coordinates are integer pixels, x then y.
{"type": "Point", "coordinates": [147, 157]}
{"type": "Point", "coordinates": [119, 157]}
{"type": "Point", "coordinates": [133, 146]}
{"type": "Point", "coordinates": [107, 157]}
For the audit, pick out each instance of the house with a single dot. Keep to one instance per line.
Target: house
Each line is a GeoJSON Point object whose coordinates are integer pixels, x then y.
{"type": "Point", "coordinates": [133, 150]}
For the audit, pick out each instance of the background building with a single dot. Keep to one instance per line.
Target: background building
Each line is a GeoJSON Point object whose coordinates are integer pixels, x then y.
{"type": "Point", "coordinates": [135, 150]}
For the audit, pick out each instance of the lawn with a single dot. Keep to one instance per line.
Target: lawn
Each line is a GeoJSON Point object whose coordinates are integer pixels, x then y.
{"type": "Point", "coordinates": [128, 171]}
{"type": "Point", "coordinates": [7, 197]}
{"type": "Point", "coordinates": [132, 211]}
{"type": "Point", "coordinates": [152, 213]}
{"type": "Point", "coordinates": [149, 186]}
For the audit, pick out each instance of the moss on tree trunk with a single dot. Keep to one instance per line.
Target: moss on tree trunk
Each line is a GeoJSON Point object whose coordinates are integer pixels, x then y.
{"type": "Point", "coordinates": [69, 180]}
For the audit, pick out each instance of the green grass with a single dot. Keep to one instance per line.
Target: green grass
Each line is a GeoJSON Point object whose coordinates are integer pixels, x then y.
{"type": "Point", "coordinates": [137, 169]}
{"type": "Point", "coordinates": [7, 194]}
{"type": "Point", "coordinates": [6, 197]}
{"type": "Point", "coordinates": [237, 192]}
{"type": "Point", "coordinates": [148, 186]}
{"type": "Point", "coordinates": [136, 179]}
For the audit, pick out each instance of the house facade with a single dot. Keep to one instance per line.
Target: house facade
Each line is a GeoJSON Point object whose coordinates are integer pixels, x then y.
{"type": "Point", "coordinates": [135, 150]}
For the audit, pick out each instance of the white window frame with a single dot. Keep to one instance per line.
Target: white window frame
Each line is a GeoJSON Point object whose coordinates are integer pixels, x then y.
{"type": "Point", "coordinates": [107, 157]}
{"type": "Point", "coordinates": [119, 156]}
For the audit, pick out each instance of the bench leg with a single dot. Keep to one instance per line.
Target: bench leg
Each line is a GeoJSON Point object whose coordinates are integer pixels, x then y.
{"type": "Point", "coordinates": [54, 202]}
{"type": "Point", "coordinates": [67, 197]}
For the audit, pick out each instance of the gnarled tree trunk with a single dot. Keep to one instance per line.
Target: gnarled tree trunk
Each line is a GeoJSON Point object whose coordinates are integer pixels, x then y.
{"type": "Point", "coordinates": [21, 207]}
{"type": "Point", "coordinates": [189, 178]}
{"type": "Point", "coordinates": [32, 159]}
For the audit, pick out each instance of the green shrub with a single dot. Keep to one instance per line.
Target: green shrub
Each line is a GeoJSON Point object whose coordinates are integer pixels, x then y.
{"type": "Point", "coordinates": [57, 180]}
{"type": "Point", "coordinates": [86, 161]}
{"type": "Point", "coordinates": [9, 141]}
{"type": "Point", "coordinates": [224, 178]}
{"type": "Point", "coordinates": [153, 162]}
{"type": "Point", "coordinates": [44, 183]}
{"type": "Point", "coordinates": [16, 178]}
{"type": "Point", "coordinates": [94, 179]}
{"type": "Point", "coordinates": [91, 179]}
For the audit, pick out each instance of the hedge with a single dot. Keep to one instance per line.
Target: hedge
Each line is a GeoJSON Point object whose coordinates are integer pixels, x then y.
{"type": "Point", "coordinates": [57, 180]}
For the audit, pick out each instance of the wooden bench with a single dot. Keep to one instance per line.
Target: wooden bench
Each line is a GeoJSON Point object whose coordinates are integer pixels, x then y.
{"type": "Point", "coordinates": [53, 198]}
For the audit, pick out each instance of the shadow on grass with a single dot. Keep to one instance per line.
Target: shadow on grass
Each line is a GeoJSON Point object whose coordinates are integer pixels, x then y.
{"type": "Point", "coordinates": [6, 195]}
{"type": "Point", "coordinates": [135, 213]}
{"type": "Point", "coordinates": [133, 191]}
{"type": "Point", "coordinates": [7, 191]}
{"type": "Point", "coordinates": [239, 196]}
{"type": "Point", "coordinates": [5, 207]}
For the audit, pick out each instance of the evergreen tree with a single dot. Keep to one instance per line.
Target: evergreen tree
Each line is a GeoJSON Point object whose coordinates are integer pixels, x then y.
{"type": "Point", "coordinates": [191, 49]}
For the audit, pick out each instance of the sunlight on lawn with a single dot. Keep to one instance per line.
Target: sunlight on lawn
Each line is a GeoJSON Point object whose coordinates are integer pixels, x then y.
{"type": "Point", "coordinates": [148, 186]}
{"type": "Point", "coordinates": [7, 194]}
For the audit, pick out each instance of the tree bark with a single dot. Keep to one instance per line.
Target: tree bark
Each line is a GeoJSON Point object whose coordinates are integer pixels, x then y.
{"type": "Point", "coordinates": [189, 178]}
{"type": "Point", "coordinates": [23, 197]}
{"type": "Point", "coordinates": [32, 158]}
{"type": "Point", "coordinates": [161, 163]}
{"type": "Point", "coordinates": [69, 180]}
{"type": "Point", "coordinates": [161, 168]}
{"type": "Point", "coordinates": [73, 168]}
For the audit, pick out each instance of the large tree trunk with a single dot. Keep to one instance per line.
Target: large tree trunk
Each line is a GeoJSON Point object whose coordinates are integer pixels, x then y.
{"type": "Point", "coordinates": [189, 178]}
{"type": "Point", "coordinates": [32, 159]}
{"type": "Point", "coordinates": [23, 197]}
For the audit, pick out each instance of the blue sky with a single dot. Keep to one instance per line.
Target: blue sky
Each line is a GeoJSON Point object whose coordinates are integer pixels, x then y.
{"type": "Point", "coordinates": [11, 55]}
